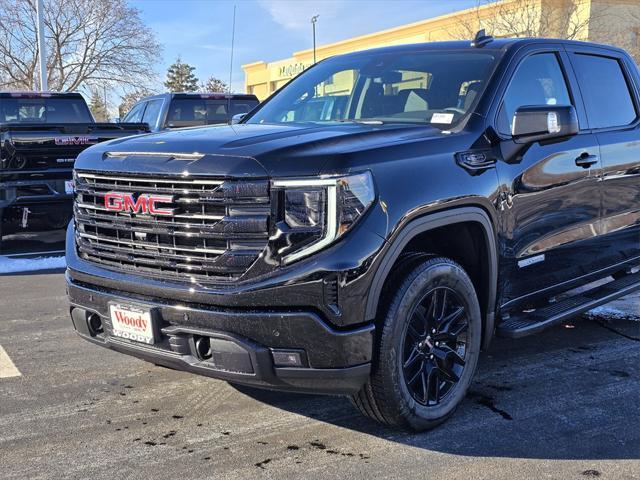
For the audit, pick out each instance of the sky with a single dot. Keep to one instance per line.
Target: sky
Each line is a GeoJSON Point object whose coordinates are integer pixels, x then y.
{"type": "Point", "coordinates": [199, 31]}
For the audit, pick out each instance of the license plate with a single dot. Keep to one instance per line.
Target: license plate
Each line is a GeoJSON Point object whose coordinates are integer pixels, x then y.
{"type": "Point", "coordinates": [68, 187]}
{"type": "Point", "coordinates": [132, 322]}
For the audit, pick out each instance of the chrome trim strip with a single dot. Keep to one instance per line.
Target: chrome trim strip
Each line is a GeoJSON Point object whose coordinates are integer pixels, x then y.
{"type": "Point", "coordinates": [150, 180]}
{"type": "Point", "coordinates": [149, 245]}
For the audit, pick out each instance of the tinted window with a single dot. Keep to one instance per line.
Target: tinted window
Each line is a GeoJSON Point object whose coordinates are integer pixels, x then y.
{"type": "Point", "coordinates": [44, 110]}
{"type": "Point", "coordinates": [151, 113]}
{"type": "Point", "coordinates": [242, 106]}
{"type": "Point", "coordinates": [135, 114]}
{"type": "Point", "coordinates": [189, 112]}
{"type": "Point", "coordinates": [605, 91]}
{"type": "Point", "coordinates": [538, 81]}
{"type": "Point", "coordinates": [428, 87]}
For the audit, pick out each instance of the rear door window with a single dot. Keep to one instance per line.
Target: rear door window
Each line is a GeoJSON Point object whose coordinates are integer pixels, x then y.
{"type": "Point", "coordinates": [44, 110]}
{"type": "Point", "coordinates": [190, 112]}
{"type": "Point", "coordinates": [605, 90]}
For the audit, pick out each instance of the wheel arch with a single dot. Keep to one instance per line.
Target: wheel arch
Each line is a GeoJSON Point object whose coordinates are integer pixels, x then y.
{"type": "Point", "coordinates": [431, 222]}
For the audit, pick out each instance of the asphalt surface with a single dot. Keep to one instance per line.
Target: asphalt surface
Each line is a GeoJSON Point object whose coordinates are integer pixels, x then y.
{"type": "Point", "coordinates": [564, 404]}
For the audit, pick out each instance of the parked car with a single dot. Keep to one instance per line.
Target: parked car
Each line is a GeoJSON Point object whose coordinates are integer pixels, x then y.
{"type": "Point", "coordinates": [465, 190]}
{"type": "Point", "coordinates": [40, 136]}
{"type": "Point", "coordinates": [176, 110]}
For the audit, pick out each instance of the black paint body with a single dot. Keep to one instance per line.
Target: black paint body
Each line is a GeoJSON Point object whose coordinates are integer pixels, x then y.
{"type": "Point", "coordinates": [531, 200]}
{"type": "Point", "coordinates": [34, 165]}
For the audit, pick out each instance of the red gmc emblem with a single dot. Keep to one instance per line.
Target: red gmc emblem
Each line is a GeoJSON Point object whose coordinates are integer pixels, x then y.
{"type": "Point", "coordinates": [145, 203]}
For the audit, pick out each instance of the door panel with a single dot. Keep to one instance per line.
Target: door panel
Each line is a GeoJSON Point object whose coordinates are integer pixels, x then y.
{"type": "Point", "coordinates": [621, 195]}
{"type": "Point", "coordinates": [607, 84]}
{"type": "Point", "coordinates": [551, 212]}
{"type": "Point", "coordinates": [550, 205]}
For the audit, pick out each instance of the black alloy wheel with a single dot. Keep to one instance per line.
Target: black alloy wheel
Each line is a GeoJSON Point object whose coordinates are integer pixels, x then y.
{"type": "Point", "coordinates": [435, 346]}
{"type": "Point", "coordinates": [429, 335]}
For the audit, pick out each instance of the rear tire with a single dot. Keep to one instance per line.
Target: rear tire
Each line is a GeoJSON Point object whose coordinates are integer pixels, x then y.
{"type": "Point", "coordinates": [427, 349]}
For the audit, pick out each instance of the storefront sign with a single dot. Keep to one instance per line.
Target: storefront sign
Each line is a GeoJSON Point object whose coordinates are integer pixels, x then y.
{"type": "Point", "coordinates": [291, 70]}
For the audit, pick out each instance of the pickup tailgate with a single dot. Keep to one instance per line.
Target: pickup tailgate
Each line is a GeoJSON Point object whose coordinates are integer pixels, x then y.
{"type": "Point", "coordinates": [37, 147]}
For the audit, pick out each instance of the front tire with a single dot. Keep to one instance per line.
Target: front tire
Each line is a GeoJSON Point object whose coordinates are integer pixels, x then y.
{"type": "Point", "coordinates": [427, 349]}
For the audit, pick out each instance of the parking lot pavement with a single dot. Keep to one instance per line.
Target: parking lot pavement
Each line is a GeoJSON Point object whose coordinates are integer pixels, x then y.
{"type": "Point", "coordinates": [564, 404]}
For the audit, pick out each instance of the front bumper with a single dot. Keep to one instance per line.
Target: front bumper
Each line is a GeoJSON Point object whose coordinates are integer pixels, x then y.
{"type": "Point", "coordinates": [242, 342]}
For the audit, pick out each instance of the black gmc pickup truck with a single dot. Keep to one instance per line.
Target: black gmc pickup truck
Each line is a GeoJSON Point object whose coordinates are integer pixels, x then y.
{"type": "Point", "coordinates": [369, 228]}
{"type": "Point", "coordinates": [40, 136]}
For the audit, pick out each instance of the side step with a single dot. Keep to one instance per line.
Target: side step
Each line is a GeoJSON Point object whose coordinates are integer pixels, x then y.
{"type": "Point", "coordinates": [527, 323]}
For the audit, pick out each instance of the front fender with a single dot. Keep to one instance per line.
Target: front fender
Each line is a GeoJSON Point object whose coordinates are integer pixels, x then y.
{"type": "Point", "coordinates": [402, 236]}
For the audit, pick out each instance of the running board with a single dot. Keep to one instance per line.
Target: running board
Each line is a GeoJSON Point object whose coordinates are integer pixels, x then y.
{"type": "Point", "coordinates": [527, 323]}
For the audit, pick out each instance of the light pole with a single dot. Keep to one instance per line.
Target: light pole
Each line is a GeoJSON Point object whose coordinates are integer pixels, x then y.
{"type": "Point", "coordinates": [42, 54]}
{"type": "Point", "coordinates": [314, 19]}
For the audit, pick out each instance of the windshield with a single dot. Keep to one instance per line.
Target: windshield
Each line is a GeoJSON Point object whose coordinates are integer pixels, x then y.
{"type": "Point", "coordinates": [434, 87]}
{"type": "Point", "coordinates": [191, 112]}
{"type": "Point", "coordinates": [44, 110]}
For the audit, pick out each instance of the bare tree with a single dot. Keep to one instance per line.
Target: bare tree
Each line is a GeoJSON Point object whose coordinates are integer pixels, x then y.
{"type": "Point", "coordinates": [612, 23]}
{"type": "Point", "coordinates": [88, 42]}
{"type": "Point", "coordinates": [568, 19]}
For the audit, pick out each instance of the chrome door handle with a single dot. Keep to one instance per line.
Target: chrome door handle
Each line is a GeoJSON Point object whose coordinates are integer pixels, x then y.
{"type": "Point", "coordinates": [586, 160]}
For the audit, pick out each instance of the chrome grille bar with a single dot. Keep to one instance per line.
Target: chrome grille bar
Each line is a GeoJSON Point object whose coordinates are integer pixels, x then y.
{"type": "Point", "coordinates": [216, 229]}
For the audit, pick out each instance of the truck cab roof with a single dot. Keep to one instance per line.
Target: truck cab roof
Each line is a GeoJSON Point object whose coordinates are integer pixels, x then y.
{"type": "Point", "coordinates": [493, 44]}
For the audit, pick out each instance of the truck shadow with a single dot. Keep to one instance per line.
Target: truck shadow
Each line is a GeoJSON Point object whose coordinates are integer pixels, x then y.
{"type": "Point", "coordinates": [572, 392]}
{"type": "Point", "coordinates": [32, 253]}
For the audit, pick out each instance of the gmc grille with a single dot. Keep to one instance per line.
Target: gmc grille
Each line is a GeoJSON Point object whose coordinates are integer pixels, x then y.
{"type": "Point", "coordinates": [215, 231]}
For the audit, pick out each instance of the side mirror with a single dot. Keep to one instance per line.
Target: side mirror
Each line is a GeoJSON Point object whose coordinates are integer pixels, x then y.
{"type": "Point", "coordinates": [544, 123]}
{"type": "Point", "coordinates": [237, 118]}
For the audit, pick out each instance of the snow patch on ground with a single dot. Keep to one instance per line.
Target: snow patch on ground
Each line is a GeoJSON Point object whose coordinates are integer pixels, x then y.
{"type": "Point", "coordinates": [16, 265]}
{"type": "Point", "coordinates": [612, 313]}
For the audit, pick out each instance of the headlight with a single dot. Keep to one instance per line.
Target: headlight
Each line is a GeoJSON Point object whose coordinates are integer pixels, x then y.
{"type": "Point", "coordinates": [313, 213]}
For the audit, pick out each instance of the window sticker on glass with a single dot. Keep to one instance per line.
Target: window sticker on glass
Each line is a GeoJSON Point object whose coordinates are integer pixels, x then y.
{"type": "Point", "coordinates": [444, 118]}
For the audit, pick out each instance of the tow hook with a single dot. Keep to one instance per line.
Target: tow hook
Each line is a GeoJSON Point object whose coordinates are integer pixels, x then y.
{"type": "Point", "coordinates": [25, 217]}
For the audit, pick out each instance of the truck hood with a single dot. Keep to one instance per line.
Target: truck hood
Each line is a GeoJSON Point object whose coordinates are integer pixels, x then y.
{"type": "Point", "coordinates": [248, 149]}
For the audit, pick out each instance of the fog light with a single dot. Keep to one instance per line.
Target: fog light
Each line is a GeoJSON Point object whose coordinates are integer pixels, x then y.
{"type": "Point", "coordinates": [288, 358]}
{"type": "Point", "coordinates": [95, 324]}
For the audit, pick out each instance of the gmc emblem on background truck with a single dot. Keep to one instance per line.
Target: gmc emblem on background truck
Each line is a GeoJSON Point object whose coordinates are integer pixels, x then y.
{"type": "Point", "coordinates": [66, 141]}
{"type": "Point", "coordinates": [145, 203]}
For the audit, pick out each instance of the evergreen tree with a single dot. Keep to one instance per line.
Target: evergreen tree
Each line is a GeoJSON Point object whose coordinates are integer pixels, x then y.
{"type": "Point", "coordinates": [97, 106]}
{"type": "Point", "coordinates": [180, 77]}
{"type": "Point", "coordinates": [214, 85]}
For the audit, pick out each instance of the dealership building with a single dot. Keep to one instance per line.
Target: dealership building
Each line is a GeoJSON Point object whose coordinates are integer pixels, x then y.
{"type": "Point", "coordinates": [607, 21]}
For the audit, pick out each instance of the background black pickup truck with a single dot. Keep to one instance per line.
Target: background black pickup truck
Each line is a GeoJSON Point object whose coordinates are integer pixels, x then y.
{"type": "Point", "coordinates": [41, 135]}
{"type": "Point", "coordinates": [177, 110]}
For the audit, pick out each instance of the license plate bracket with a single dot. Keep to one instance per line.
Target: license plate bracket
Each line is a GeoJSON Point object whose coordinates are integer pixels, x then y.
{"type": "Point", "coordinates": [133, 322]}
